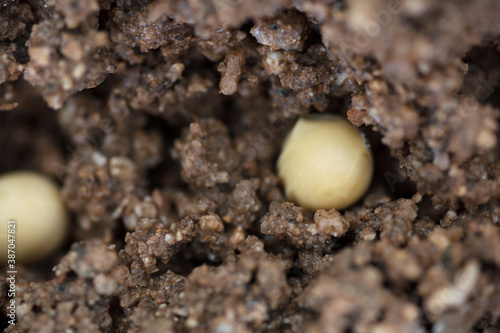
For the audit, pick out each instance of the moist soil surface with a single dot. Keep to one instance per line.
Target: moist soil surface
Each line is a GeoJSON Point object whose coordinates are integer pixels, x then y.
{"type": "Point", "coordinates": [162, 122]}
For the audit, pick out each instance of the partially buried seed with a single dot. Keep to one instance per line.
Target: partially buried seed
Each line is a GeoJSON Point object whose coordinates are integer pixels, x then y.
{"type": "Point", "coordinates": [325, 163]}
{"type": "Point", "coordinates": [34, 204]}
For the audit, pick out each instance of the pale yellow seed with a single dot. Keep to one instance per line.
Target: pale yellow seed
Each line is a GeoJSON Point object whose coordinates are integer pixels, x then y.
{"type": "Point", "coordinates": [325, 163]}
{"type": "Point", "coordinates": [41, 219]}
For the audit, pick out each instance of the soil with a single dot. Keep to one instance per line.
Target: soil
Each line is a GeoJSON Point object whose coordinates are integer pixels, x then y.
{"type": "Point", "coordinates": [162, 122]}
